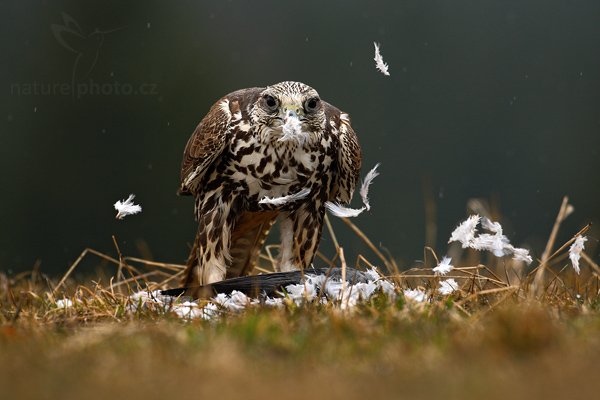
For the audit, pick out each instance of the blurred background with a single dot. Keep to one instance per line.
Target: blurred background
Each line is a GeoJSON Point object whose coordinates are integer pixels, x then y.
{"type": "Point", "coordinates": [492, 100]}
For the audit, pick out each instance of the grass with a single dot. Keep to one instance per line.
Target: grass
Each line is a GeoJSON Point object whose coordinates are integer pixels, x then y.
{"type": "Point", "coordinates": [506, 333]}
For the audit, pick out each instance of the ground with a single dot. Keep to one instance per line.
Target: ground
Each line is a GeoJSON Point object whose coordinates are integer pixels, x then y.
{"type": "Point", "coordinates": [384, 349]}
{"type": "Point", "coordinates": [506, 332]}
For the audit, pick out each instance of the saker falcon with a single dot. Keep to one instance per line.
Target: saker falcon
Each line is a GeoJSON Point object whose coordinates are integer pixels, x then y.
{"type": "Point", "coordinates": [258, 155]}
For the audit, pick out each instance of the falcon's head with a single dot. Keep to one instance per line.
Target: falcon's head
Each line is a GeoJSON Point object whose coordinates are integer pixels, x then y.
{"type": "Point", "coordinates": [290, 111]}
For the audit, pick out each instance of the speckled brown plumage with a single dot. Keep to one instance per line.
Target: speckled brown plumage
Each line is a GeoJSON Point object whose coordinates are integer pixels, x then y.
{"type": "Point", "coordinates": [257, 143]}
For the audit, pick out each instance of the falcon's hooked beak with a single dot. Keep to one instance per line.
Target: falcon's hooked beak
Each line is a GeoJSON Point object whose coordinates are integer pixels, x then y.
{"type": "Point", "coordinates": [292, 126]}
{"type": "Point", "coordinates": [291, 111]}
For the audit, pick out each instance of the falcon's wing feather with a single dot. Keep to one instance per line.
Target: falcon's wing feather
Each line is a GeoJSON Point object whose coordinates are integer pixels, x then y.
{"type": "Point", "coordinates": [210, 137]}
{"type": "Point", "coordinates": [348, 154]}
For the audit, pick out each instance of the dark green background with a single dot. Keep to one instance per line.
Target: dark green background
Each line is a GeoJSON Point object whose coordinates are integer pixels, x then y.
{"type": "Point", "coordinates": [491, 99]}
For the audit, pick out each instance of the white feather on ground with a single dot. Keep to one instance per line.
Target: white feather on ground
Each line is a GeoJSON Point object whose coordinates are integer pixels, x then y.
{"type": "Point", "coordinates": [126, 207]}
{"type": "Point", "coordinates": [416, 295]}
{"type": "Point", "coordinates": [279, 201]}
{"type": "Point", "coordinates": [379, 63]}
{"type": "Point", "coordinates": [333, 291]}
{"type": "Point", "coordinates": [341, 211]}
{"type": "Point", "coordinates": [444, 266]}
{"type": "Point", "coordinates": [447, 287]}
{"type": "Point", "coordinates": [575, 251]}
{"type": "Point", "coordinates": [64, 303]}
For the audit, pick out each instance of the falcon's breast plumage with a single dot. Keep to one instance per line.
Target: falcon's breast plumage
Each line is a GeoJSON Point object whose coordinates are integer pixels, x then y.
{"type": "Point", "coordinates": [253, 146]}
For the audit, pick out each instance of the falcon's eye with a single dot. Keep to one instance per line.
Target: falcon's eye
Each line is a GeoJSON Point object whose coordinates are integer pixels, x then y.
{"type": "Point", "coordinates": [311, 104]}
{"type": "Point", "coordinates": [270, 102]}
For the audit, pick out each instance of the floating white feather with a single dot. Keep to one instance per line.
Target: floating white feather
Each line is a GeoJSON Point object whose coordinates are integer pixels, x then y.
{"type": "Point", "coordinates": [126, 207]}
{"type": "Point", "coordinates": [493, 227]}
{"type": "Point", "coordinates": [279, 201]}
{"type": "Point", "coordinates": [522, 255]}
{"type": "Point", "coordinates": [444, 266]}
{"type": "Point", "coordinates": [497, 243]}
{"type": "Point", "coordinates": [341, 211]}
{"type": "Point", "coordinates": [379, 63]}
{"type": "Point", "coordinates": [575, 251]}
{"type": "Point", "coordinates": [364, 187]}
{"type": "Point", "coordinates": [465, 232]}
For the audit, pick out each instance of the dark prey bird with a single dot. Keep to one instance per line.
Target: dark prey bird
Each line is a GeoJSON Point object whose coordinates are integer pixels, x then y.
{"type": "Point", "coordinates": [271, 285]}
{"type": "Point", "coordinates": [260, 154]}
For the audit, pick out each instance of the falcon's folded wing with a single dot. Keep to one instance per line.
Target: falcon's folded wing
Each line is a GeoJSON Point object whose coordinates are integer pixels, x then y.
{"type": "Point", "coordinates": [348, 160]}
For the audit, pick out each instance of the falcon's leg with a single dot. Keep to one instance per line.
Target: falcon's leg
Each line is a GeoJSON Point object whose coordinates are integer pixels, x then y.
{"type": "Point", "coordinates": [287, 261]}
{"type": "Point", "coordinates": [300, 235]}
{"type": "Point", "coordinates": [216, 215]}
{"type": "Point", "coordinates": [247, 238]}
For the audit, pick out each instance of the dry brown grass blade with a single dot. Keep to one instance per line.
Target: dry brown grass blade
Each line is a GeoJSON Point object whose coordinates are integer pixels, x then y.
{"type": "Point", "coordinates": [368, 242]}
{"type": "Point", "coordinates": [363, 259]}
{"type": "Point", "coordinates": [343, 261]}
{"type": "Point", "coordinates": [78, 260]}
{"type": "Point", "coordinates": [539, 276]}
{"type": "Point", "coordinates": [331, 233]}
{"type": "Point", "coordinates": [556, 278]}
{"type": "Point", "coordinates": [133, 272]}
{"type": "Point", "coordinates": [561, 249]}
{"type": "Point", "coordinates": [137, 278]}
{"type": "Point", "coordinates": [470, 276]}
{"type": "Point", "coordinates": [170, 279]}
{"type": "Point", "coordinates": [169, 266]}
{"type": "Point", "coordinates": [262, 270]}
{"type": "Point", "coordinates": [493, 306]}
{"type": "Point", "coordinates": [327, 261]}
{"type": "Point", "coordinates": [432, 251]}
{"type": "Point", "coordinates": [269, 257]}
{"type": "Point", "coordinates": [494, 275]}
{"type": "Point", "coordinates": [333, 236]}
{"type": "Point", "coordinates": [120, 274]}
{"type": "Point", "coordinates": [477, 275]}
{"type": "Point", "coordinates": [476, 267]}
{"type": "Point", "coordinates": [486, 292]}
{"type": "Point", "coordinates": [590, 262]}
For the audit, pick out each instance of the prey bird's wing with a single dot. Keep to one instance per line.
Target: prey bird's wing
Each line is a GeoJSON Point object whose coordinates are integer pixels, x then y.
{"type": "Point", "coordinates": [348, 157]}
{"type": "Point", "coordinates": [272, 284]}
{"type": "Point", "coordinates": [211, 136]}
